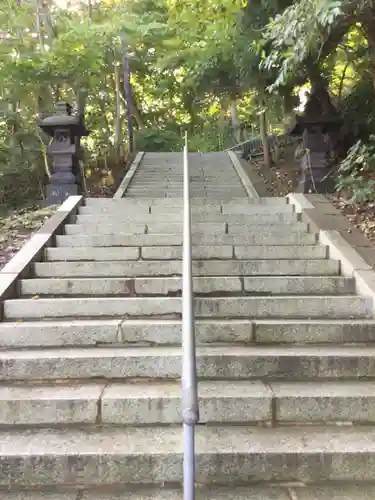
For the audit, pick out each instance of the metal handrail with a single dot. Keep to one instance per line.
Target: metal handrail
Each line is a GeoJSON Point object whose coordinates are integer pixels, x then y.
{"type": "Point", "coordinates": [189, 385]}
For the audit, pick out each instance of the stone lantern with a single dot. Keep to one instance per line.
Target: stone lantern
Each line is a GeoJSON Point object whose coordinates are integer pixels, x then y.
{"type": "Point", "coordinates": [314, 128]}
{"type": "Point", "coordinates": [66, 130]}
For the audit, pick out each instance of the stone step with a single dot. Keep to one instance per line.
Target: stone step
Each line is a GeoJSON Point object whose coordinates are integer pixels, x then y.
{"type": "Point", "coordinates": [340, 491]}
{"type": "Point", "coordinates": [220, 493]}
{"type": "Point", "coordinates": [227, 455]}
{"type": "Point", "coordinates": [175, 186]}
{"type": "Point", "coordinates": [314, 285]}
{"type": "Point", "coordinates": [168, 332]}
{"type": "Point", "coordinates": [197, 210]}
{"type": "Point", "coordinates": [261, 238]}
{"type": "Point", "coordinates": [228, 201]}
{"type": "Point", "coordinates": [270, 267]}
{"type": "Point", "coordinates": [175, 229]}
{"type": "Point", "coordinates": [175, 252]}
{"type": "Point", "coordinates": [177, 217]}
{"type": "Point", "coordinates": [169, 192]}
{"type": "Point", "coordinates": [151, 228]}
{"type": "Point", "coordinates": [284, 306]}
{"type": "Point", "coordinates": [157, 402]}
{"type": "Point", "coordinates": [147, 208]}
{"type": "Point", "coordinates": [269, 363]}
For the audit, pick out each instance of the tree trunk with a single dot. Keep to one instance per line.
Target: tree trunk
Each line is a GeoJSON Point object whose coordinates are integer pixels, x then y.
{"type": "Point", "coordinates": [236, 123]}
{"type": "Point", "coordinates": [370, 32]}
{"type": "Point", "coordinates": [45, 99]}
{"type": "Point", "coordinates": [118, 118]}
{"type": "Point", "coordinates": [264, 137]}
{"type": "Point", "coordinates": [89, 11]}
{"type": "Point", "coordinates": [128, 96]}
{"type": "Point", "coordinates": [136, 113]}
{"type": "Point", "coordinates": [38, 22]}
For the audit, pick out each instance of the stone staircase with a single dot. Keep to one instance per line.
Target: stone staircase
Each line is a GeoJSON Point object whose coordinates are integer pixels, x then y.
{"type": "Point", "coordinates": [161, 176]}
{"type": "Point", "coordinates": [91, 357]}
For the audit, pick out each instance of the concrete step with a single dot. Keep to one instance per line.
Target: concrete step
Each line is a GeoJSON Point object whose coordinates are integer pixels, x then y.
{"type": "Point", "coordinates": [226, 455]}
{"type": "Point", "coordinates": [308, 306]}
{"type": "Point", "coordinates": [157, 402]}
{"type": "Point", "coordinates": [314, 285]}
{"type": "Point", "coordinates": [270, 267]}
{"type": "Point", "coordinates": [169, 192]}
{"type": "Point", "coordinates": [175, 186]}
{"type": "Point", "coordinates": [197, 210]}
{"type": "Point", "coordinates": [158, 493]}
{"type": "Point", "coordinates": [341, 491]}
{"type": "Point", "coordinates": [152, 228]}
{"type": "Point", "coordinates": [175, 229]}
{"type": "Point", "coordinates": [177, 217]}
{"type": "Point", "coordinates": [269, 363]}
{"type": "Point", "coordinates": [175, 252]}
{"type": "Point", "coordinates": [90, 332]}
{"type": "Point", "coordinates": [228, 200]}
{"type": "Point", "coordinates": [262, 238]}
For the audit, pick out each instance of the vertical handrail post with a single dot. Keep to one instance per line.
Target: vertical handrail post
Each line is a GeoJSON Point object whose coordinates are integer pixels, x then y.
{"type": "Point", "coordinates": [189, 387]}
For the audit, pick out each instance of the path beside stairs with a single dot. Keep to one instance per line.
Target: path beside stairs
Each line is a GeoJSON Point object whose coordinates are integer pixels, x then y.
{"type": "Point", "coordinates": [91, 357]}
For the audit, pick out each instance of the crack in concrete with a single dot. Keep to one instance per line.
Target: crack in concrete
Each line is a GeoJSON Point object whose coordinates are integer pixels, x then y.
{"type": "Point", "coordinates": [99, 416]}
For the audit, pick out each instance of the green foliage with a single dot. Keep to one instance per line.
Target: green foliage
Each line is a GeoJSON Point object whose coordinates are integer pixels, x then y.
{"type": "Point", "coordinates": [356, 175]}
{"type": "Point", "coordinates": [210, 138]}
{"type": "Point", "coordinates": [158, 140]}
{"type": "Point", "coordinates": [357, 110]}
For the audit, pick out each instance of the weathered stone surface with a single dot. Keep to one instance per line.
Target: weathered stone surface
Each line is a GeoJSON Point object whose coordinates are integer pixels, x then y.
{"type": "Point", "coordinates": [151, 268]}
{"type": "Point", "coordinates": [314, 331]}
{"type": "Point", "coordinates": [87, 286]}
{"type": "Point", "coordinates": [118, 240]}
{"type": "Point", "coordinates": [201, 285]}
{"type": "Point", "coordinates": [198, 252]}
{"type": "Point", "coordinates": [36, 495]}
{"type": "Point", "coordinates": [258, 214]}
{"type": "Point", "coordinates": [290, 285]}
{"type": "Point", "coordinates": [341, 250]}
{"type": "Point", "coordinates": [213, 362]}
{"type": "Point", "coordinates": [321, 221]}
{"type": "Point", "coordinates": [356, 491]}
{"type": "Point", "coordinates": [266, 267]}
{"type": "Point", "coordinates": [240, 401]}
{"type": "Point", "coordinates": [59, 333]}
{"type": "Point", "coordinates": [281, 252]}
{"type": "Point", "coordinates": [233, 493]}
{"type": "Point", "coordinates": [284, 307]}
{"type": "Point", "coordinates": [220, 307]}
{"type": "Point", "coordinates": [295, 227]}
{"type": "Point", "coordinates": [276, 237]}
{"type": "Point", "coordinates": [107, 269]}
{"type": "Point", "coordinates": [153, 455]}
{"type": "Point", "coordinates": [93, 254]}
{"type": "Point", "coordinates": [107, 331]}
{"type": "Point", "coordinates": [327, 402]}
{"type": "Point", "coordinates": [149, 228]}
{"type": "Point", "coordinates": [91, 307]}
{"type": "Point", "coordinates": [25, 405]}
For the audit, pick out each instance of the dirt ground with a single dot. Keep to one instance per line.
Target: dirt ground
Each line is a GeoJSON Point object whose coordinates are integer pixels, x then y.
{"type": "Point", "coordinates": [16, 226]}
{"type": "Point", "coordinates": [284, 179]}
